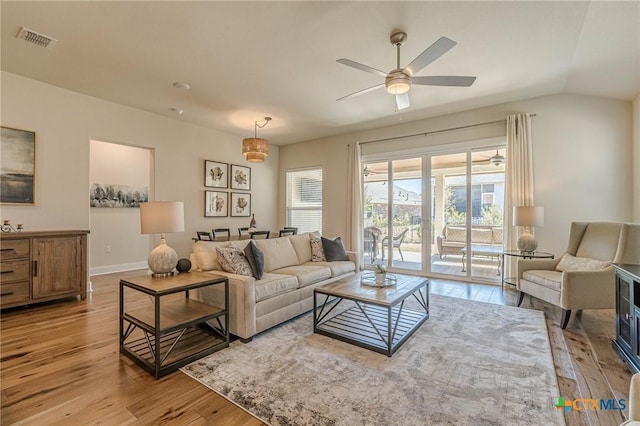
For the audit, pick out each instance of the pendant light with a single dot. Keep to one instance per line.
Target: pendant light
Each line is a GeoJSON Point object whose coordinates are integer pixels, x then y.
{"type": "Point", "coordinates": [256, 149]}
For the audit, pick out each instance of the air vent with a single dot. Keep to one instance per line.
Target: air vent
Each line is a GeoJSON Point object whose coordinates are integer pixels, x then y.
{"type": "Point", "coordinates": [36, 38]}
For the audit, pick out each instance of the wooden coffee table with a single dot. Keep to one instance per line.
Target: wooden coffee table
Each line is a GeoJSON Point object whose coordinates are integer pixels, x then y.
{"type": "Point", "coordinates": [378, 318]}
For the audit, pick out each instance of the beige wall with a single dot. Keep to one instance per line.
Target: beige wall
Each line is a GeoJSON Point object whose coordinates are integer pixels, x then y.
{"type": "Point", "coordinates": [582, 160]}
{"type": "Point", "coordinates": [66, 121]}
{"type": "Point", "coordinates": [636, 159]}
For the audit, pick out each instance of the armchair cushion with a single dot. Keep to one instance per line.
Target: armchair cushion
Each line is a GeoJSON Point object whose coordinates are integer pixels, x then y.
{"type": "Point", "coordinates": [548, 279]}
{"type": "Point", "coordinates": [573, 263]}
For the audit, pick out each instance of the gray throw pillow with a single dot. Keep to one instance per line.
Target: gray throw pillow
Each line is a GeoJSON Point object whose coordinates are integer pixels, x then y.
{"type": "Point", "coordinates": [255, 257]}
{"type": "Point", "coordinates": [334, 250]}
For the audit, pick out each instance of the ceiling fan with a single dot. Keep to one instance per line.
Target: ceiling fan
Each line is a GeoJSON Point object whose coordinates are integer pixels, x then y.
{"type": "Point", "coordinates": [495, 159]}
{"type": "Point", "coordinates": [398, 81]}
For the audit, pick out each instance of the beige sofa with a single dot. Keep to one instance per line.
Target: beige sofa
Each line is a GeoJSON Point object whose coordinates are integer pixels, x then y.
{"type": "Point", "coordinates": [453, 238]}
{"type": "Point", "coordinates": [284, 292]}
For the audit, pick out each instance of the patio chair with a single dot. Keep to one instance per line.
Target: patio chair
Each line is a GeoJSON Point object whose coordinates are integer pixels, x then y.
{"type": "Point", "coordinates": [371, 236]}
{"type": "Point", "coordinates": [396, 242]}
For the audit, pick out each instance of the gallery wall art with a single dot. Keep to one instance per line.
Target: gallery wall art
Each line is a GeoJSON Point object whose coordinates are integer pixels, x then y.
{"type": "Point", "coordinates": [17, 166]}
{"type": "Point", "coordinates": [215, 204]}
{"type": "Point", "coordinates": [240, 177]}
{"type": "Point", "coordinates": [240, 204]}
{"type": "Point", "coordinates": [215, 174]}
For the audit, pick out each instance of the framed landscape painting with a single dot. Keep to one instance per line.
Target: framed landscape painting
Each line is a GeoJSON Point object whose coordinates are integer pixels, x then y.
{"type": "Point", "coordinates": [215, 204]}
{"type": "Point", "coordinates": [17, 166]}
{"type": "Point", "coordinates": [240, 177]}
{"type": "Point", "coordinates": [240, 204]}
{"type": "Point", "coordinates": [215, 174]}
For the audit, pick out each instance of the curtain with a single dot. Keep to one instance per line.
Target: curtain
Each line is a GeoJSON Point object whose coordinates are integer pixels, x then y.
{"type": "Point", "coordinates": [519, 174]}
{"type": "Point", "coordinates": [354, 218]}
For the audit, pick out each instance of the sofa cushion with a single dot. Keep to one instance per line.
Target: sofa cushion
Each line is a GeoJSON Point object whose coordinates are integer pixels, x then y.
{"type": "Point", "coordinates": [549, 279]}
{"type": "Point", "coordinates": [278, 253]}
{"type": "Point", "coordinates": [481, 236]}
{"type": "Point", "coordinates": [572, 263]}
{"type": "Point", "coordinates": [232, 260]}
{"type": "Point", "coordinates": [317, 252]}
{"type": "Point", "coordinates": [206, 255]}
{"type": "Point", "coordinates": [456, 233]}
{"type": "Point", "coordinates": [302, 245]}
{"type": "Point", "coordinates": [255, 257]}
{"type": "Point", "coordinates": [337, 268]}
{"type": "Point", "coordinates": [272, 285]}
{"type": "Point", "coordinates": [306, 274]}
{"type": "Point", "coordinates": [333, 249]}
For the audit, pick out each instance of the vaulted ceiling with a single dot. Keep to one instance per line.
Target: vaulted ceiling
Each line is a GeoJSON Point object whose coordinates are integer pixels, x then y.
{"type": "Point", "coordinates": [248, 60]}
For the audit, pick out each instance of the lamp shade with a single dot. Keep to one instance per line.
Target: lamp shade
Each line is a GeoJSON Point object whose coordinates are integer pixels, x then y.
{"type": "Point", "coordinates": [255, 150]}
{"type": "Point", "coordinates": [528, 216]}
{"type": "Point", "coordinates": [161, 216]}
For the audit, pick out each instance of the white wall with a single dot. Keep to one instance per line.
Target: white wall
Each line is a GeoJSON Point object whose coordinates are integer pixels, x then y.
{"type": "Point", "coordinates": [636, 159]}
{"type": "Point", "coordinates": [582, 160]}
{"type": "Point", "coordinates": [66, 121]}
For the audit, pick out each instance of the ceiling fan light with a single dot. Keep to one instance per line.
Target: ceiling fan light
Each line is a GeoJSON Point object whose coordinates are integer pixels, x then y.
{"type": "Point", "coordinates": [397, 83]}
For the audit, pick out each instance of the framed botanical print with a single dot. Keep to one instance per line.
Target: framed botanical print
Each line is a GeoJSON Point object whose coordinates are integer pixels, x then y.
{"type": "Point", "coordinates": [215, 203]}
{"type": "Point", "coordinates": [240, 204]}
{"type": "Point", "coordinates": [240, 177]}
{"type": "Point", "coordinates": [17, 166]}
{"type": "Point", "coordinates": [215, 174]}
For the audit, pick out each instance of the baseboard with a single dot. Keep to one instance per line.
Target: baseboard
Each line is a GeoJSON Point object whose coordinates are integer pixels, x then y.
{"type": "Point", "coordinates": [101, 270]}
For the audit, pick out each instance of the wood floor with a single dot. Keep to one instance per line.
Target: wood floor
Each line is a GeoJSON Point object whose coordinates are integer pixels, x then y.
{"type": "Point", "coordinates": [60, 365]}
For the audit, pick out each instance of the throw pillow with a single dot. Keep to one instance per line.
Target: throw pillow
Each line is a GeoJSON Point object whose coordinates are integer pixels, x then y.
{"type": "Point", "coordinates": [573, 263]}
{"type": "Point", "coordinates": [255, 257]}
{"type": "Point", "coordinates": [333, 249]}
{"type": "Point", "coordinates": [232, 260]}
{"type": "Point", "coordinates": [317, 252]}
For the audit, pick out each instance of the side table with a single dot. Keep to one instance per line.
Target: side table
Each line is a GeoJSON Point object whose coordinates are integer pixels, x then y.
{"type": "Point", "coordinates": [525, 255]}
{"type": "Point", "coordinates": [173, 330]}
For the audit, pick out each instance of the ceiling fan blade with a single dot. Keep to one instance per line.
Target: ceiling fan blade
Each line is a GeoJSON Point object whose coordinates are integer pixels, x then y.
{"type": "Point", "coordinates": [362, 92]}
{"type": "Point", "coordinates": [433, 52]}
{"type": "Point", "coordinates": [444, 80]}
{"type": "Point", "coordinates": [402, 101]}
{"type": "Point", "coordinates": [362, 67]}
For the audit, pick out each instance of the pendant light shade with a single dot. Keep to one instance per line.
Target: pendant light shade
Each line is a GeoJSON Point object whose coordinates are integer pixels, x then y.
{"type": "Point", "coordinates": [256, 149]}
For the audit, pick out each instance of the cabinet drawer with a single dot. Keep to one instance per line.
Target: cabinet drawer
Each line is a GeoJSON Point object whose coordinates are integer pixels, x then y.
{"type": "Point", "coordinates": [14, 270]}
{"type": "Point", "coordinates": [14, 292]}
{"type": "Point", "coordinates": [14, 249]}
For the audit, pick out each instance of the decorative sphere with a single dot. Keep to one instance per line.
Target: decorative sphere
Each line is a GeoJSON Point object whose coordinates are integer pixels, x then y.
{"type": "Point", "coordinates": [184, 265]}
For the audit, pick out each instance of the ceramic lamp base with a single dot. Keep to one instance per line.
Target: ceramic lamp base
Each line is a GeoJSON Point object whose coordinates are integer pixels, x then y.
{"type": "Point", "coordinates": [527, 243]}
{"type": "Point", "coordinates": [162, 259]}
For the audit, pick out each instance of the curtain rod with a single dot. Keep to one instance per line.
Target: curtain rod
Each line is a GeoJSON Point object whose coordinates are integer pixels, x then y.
{"type": "Point", "coordinates": [437, 131]}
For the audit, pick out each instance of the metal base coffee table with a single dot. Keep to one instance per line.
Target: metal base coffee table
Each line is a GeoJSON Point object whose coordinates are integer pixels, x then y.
{"type": "Point", "coordinates": [378, 319]}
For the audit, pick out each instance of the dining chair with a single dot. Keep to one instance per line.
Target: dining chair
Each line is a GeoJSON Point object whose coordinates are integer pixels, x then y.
{"type": "Point", "coordinates": [204, 236]}
{"type": "Point", "coordinates": [260, 234]}
{"type": "Point", "coordinates": [219, 232]}
{"type": "Point", "coordinates": [284, 232]}
{"type": "Point", "coordinates": [243, 231]}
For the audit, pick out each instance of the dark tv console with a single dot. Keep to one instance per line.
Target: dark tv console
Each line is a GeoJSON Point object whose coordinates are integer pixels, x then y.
{"type": "Point", "coordinates": [627, 342]}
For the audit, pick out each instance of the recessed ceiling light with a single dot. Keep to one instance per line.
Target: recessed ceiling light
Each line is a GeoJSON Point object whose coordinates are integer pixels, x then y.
{"type": "Point", "coordinates": [177, 111]}
{"type": "Point", "coordinates": [181, 85]}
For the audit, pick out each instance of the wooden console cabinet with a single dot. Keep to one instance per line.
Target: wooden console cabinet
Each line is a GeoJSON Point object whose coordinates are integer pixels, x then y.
{"type": "Point", "coordinates": [627, 342]}
{"type": "Point", "coordinates": [41, 266]}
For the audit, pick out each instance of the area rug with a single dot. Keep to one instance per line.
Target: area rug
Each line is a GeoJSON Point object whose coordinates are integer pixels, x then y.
{"type": "Point", "coordinates": [470, 363]}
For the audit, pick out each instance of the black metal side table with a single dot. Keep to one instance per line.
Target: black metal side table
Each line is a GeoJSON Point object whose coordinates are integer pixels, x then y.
{"type": "Point", "coordinates": [525, 255]}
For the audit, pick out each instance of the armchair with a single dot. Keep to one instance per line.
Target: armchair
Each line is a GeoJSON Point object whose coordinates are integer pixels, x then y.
{"type": "Point", "coordinates": [583, 277]}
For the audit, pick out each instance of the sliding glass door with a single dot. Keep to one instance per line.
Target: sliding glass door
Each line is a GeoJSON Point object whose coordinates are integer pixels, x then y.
{"type": "Point", "coordinates": [436, 213]}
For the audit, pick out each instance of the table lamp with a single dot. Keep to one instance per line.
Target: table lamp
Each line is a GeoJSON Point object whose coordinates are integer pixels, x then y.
{"type": "Point", "coordinates": [528, 216]}
{"type": "Point", "coordinates": [158, 217]}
